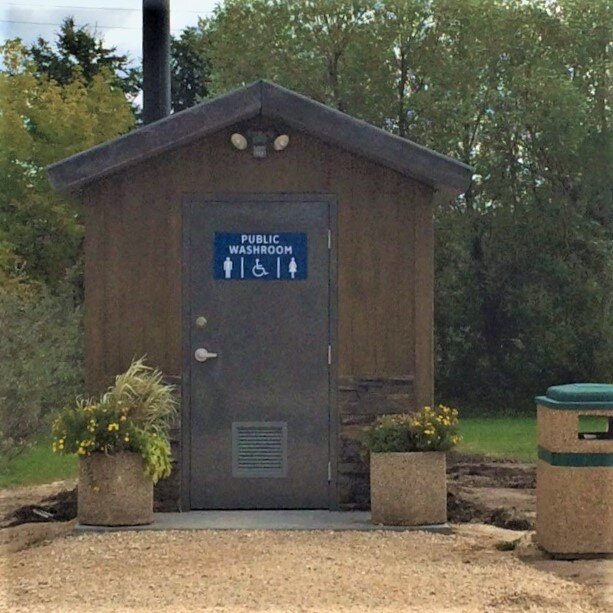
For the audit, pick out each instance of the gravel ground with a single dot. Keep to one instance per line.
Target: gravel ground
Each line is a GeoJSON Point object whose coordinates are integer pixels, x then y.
{"type": "Point", "coordinates": [292, 571]}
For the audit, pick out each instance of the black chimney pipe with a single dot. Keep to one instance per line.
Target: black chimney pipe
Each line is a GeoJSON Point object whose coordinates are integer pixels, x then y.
{"type": "Point", "coordinates": [156, 59]}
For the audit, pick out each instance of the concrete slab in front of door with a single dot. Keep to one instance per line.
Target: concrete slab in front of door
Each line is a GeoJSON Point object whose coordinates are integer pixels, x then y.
{"type": "Point", "coordinates": [265, 520]}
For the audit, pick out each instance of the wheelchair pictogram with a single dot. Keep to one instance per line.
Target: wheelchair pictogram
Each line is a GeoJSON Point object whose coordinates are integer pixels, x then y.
{"type": "Point", "coordinates": [258, 270]}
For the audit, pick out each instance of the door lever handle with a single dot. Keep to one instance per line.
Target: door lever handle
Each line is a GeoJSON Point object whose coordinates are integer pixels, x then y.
{"type": "Point", "coordinates": [202, 355]}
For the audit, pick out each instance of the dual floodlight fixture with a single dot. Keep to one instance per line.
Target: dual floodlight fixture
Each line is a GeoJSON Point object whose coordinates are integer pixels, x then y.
{"type": "Point", "coordinates": [259, 142]}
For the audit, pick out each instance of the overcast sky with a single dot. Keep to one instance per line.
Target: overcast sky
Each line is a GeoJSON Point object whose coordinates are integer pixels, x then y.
{"type": "Point", "coordinates": [119, 21]}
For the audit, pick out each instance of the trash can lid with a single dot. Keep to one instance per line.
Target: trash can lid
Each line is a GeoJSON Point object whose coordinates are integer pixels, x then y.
{"type": "Point", "coordinates": [578, 396]}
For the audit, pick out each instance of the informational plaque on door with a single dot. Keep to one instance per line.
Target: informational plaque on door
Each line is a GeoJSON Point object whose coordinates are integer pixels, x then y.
{"type": "Point", "coordinates": [248, 256]}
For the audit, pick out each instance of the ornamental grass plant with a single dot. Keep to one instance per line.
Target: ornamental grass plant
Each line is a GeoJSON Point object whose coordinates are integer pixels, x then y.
{"type": "Point", "coordinates": [430, 429]}
{"type": "Point", "coordinates": [133, 415]}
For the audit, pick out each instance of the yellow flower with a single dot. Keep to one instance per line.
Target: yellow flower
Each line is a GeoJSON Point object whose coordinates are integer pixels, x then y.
{"type": "Point", "coordinates": [126, 438]}
{"type": "Point", "coordinates": [123, 418]}
{"type": "Point", "coordinates": [113, 426]}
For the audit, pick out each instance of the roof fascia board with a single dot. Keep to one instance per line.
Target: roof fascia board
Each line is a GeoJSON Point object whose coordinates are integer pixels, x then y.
{"type": "Point", "coordinates": [357, 136]}
{"type": "Point", "coordinates": [332, 126]}
{"type": "Point", "coordinates": [155, 138]}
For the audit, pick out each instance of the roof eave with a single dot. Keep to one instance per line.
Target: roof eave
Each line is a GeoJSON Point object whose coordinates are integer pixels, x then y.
{"type": "Point", "coordinates": [406, 157]}
{"type": "Point", "coordinates": [330, 125]}
{"type": "Point", "coordinates": [72, 173]}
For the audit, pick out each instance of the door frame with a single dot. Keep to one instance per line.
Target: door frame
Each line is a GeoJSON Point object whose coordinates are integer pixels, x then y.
{"type": "Point", "coordinates": [229, 198]}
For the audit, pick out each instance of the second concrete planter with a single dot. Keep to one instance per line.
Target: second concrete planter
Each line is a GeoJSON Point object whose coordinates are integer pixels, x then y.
{"type": "Point", "coordinates": [408, 489]}
{"type": "Point", "coordinates": [113, 490]}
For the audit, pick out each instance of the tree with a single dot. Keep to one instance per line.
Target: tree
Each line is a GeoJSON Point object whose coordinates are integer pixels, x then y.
{"type": "Point", "coordinates": [81, 54]}
{"type": "Point", "coordinates": [307, 45]}
{"type": "Point", "coordinates": [190, 67]}
{"type": "Point", "coordinates": [525, 299]}
{"type": "Point", "coordinates": [518, 90]}
{"type": "Point", "coordinates": [41, 368]}
{"type": "Point", "coordinates": [42, 121]}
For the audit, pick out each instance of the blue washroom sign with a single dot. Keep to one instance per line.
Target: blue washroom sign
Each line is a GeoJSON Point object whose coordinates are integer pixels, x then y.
{"type": "Point", "coordinates": [247, 256]}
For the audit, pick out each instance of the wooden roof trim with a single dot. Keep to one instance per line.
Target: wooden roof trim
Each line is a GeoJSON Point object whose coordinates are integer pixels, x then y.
{"type": "Point", "coordinates": [366, 140]}
{"type": "Point", "coordinates": [169, 133]}
{"type": "Point", "coordinates": [406, 157]}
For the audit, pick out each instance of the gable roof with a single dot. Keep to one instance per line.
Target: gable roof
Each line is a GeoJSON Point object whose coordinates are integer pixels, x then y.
{"type": "Point", "coordinates": [275, 102]}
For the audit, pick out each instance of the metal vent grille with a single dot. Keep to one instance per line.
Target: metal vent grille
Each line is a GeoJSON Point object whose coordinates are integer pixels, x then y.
{"type": "Point", "coordinates": [259, 449]}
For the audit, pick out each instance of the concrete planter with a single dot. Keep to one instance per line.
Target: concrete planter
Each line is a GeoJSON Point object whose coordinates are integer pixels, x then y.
{"type": "Point", "coordinates": [114, 491]}
{"type": "Point", "coordinates": [408, 489]}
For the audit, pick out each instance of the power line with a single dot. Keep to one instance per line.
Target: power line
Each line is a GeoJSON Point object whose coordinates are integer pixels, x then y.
{"type": "Point", "coordinates": [99, 8]}
{"type": "Point", "coordinates": [48, 23]}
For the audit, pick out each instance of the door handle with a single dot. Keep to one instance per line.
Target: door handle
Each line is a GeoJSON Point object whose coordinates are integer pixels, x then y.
{"type": "Point", "coordinates": [202, 355]}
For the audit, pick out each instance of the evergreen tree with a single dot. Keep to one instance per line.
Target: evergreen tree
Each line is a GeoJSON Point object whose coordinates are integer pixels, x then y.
{"type": "Point", "coordinates": [79, 53]}
{"type": "Point", "coordinates": [190, 67]}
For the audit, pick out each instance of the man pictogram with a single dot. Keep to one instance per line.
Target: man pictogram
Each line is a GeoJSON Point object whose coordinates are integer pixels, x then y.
{"type": "Point", "coordinates": [227, 267]}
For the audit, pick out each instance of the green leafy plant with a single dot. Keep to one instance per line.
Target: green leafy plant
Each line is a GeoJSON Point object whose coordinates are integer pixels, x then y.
{"type": "Point", "coordinates": [134, 414]}
{"type": "Point", "coordinates": [41, 351]}
{"type": "Point", "coordinates": [431, 429]}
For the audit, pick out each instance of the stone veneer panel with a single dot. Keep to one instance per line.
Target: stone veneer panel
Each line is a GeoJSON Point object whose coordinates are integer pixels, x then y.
{"type": "Point", "coordinates": [360, 401]}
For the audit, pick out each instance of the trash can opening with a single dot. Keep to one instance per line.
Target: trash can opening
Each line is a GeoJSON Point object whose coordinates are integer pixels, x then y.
{"type": "Point", "coordinates": [595, 427]}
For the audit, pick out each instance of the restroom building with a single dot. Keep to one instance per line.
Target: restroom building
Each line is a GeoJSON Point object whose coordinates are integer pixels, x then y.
{"type": "Point", "coordinates": [274, 257]}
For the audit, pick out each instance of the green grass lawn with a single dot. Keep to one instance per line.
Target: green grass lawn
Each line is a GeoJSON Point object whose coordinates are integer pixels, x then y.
{"type": "Point", "coordinates": [509, 437]}
{"type": "Point", "coordinates": [38, 465]}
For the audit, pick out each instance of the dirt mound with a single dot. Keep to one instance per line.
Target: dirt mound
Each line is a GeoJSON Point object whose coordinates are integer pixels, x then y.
{"type": "Point", "coordinates": [462, 507]}
{"type": "Point", "coordinates": [477, 471]}
{"type": "Point", "coordinates": [61, 506]}
{"type": "Point", "coordinates": [491, 491]}
{"type": "Point", "coordinates": [57, 498]}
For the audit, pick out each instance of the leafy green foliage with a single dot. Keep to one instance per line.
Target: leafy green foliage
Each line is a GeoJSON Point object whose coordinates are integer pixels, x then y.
{"type": "Point", "coordinates": [40, 369]}
{"type": "Point", "coordinates": [519, 90]}
{"type": "Point", "coordinates": [80, 54]}
{"type": "Point", "coordinates": [190, 67]}
{"type": "Point", "coordinates": [41, 122]}
{"type": "Point", "coordinates": [152, 403]}
{"type": "Point", "coordinates": [389, 433]}
{"type": "Point", "coordinates": [431, 429]}
{"type": "Point", "coordinates": [134, 414]}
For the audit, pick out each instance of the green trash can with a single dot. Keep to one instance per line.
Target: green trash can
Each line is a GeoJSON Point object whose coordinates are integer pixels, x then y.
{"type": "Point", "coordinates": [574, 476]}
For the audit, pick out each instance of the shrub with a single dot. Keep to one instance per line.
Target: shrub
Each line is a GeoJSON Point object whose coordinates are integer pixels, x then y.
{"type": "Point", "coordinates": [134, 414]}
{"type": "Point", "coordinates": [41, 364]}
{"type": "Point", "coordinates": [431, 429]}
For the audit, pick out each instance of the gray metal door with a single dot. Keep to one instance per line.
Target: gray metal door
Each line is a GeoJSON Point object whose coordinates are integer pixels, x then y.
{"type": "Point", "coordinates": [258, 318]}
